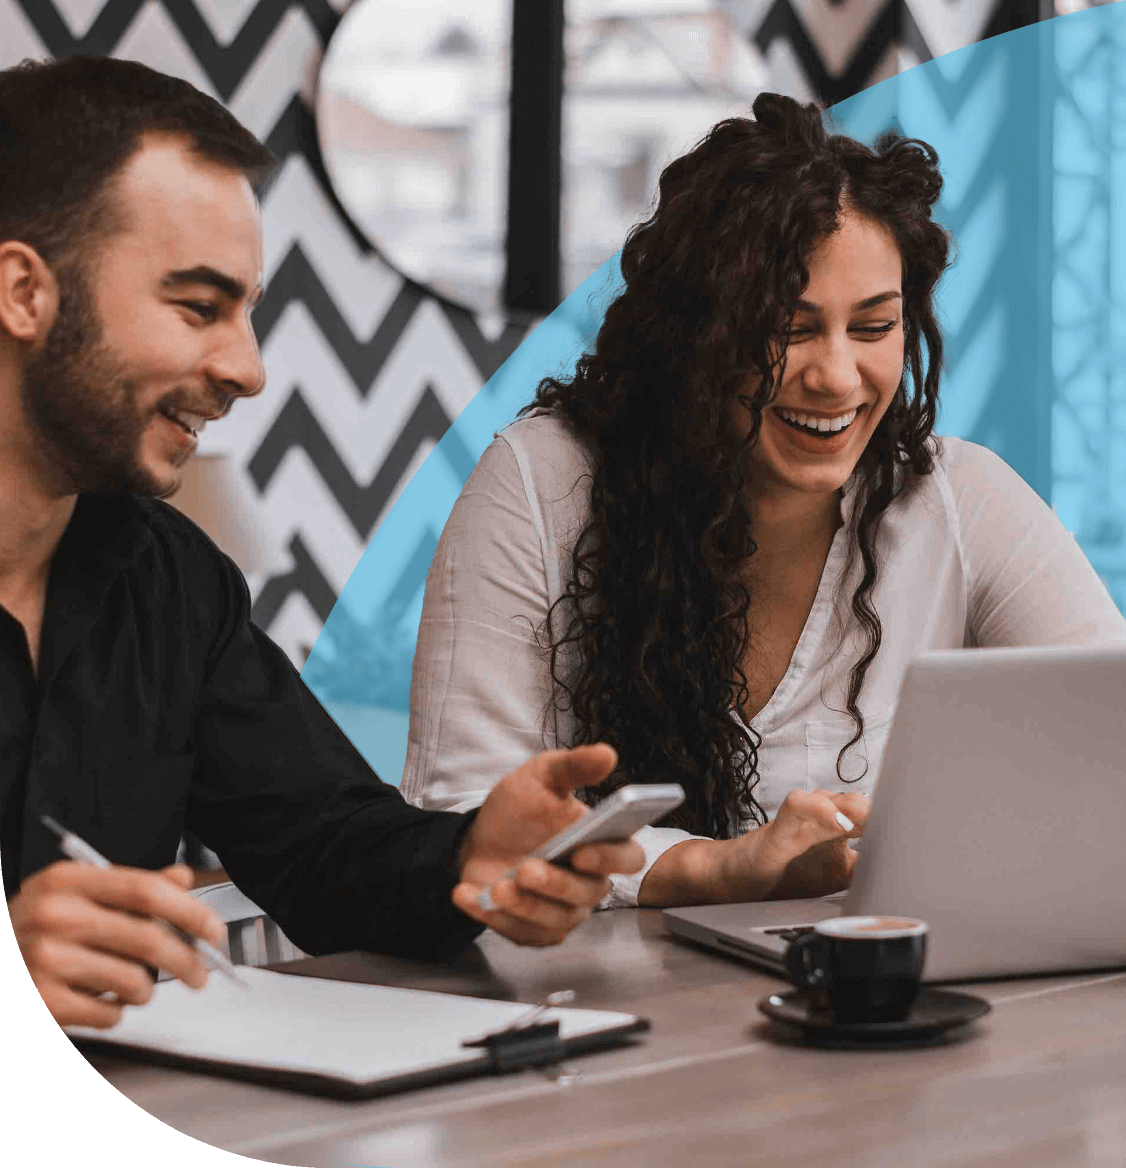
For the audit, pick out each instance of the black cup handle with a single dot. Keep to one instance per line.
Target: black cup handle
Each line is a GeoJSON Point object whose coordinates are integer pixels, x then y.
{"type": "Point", "coordinates": [807, 961]}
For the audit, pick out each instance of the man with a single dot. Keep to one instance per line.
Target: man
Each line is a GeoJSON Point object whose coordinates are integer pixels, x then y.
{"type": "Point", "coordinates": [137, 697]}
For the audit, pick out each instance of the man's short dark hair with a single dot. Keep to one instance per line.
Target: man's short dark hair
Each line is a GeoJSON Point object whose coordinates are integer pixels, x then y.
{"type": "Point", "coordinates": [67, 128]}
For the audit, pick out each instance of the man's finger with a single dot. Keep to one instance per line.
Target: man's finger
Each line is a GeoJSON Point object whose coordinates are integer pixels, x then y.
{"type": "Point", "coordinates": [515, 928]}
{"type": "Point", "coordinates": [540, 879]}
{"type": "Point", "coordinates": [151, 894]}
{"type": "Point", "coordinates": [180, 874]}
{"type": "Point", "coordinates": [98, 973]}
{"type": "Point", "coordinates": [605, 859]}
{"type": "Point", "coordinates": [582, 766]}
{"type": "Point", "coordinates": [73, 1008]}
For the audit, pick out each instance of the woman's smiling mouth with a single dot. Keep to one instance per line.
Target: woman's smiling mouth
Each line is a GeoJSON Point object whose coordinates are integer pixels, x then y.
{"type": "Point", "coordinates": [810, 434]}
{"type": "Point", "coordinates": [817, 425]}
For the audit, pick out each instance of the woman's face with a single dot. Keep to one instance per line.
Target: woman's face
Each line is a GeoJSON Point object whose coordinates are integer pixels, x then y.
{"type": "Point", "coordinates": [844, 360]}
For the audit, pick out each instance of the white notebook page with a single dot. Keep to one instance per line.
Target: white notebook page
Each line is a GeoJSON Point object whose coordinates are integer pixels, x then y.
{"type": "Point", "coordinates": [350, 1031]}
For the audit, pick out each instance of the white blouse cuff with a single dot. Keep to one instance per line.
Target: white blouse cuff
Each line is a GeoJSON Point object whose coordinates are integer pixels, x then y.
{"type": "Point", "coordinates": [654, 841]}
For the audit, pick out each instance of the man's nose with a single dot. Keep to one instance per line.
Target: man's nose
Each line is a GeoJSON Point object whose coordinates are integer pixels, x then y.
{"type": "Point", "coordinates": [238, 366]}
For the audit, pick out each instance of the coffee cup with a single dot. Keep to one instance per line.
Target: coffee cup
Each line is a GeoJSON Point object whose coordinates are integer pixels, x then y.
{"type": "Point", "coordinates": [868, 968]}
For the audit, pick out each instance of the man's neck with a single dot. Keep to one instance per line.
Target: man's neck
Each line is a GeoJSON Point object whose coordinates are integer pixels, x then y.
{"type": "Point", "coordinates": [37, 498]}
{"type": "Point", "coordinates": [32, 522]}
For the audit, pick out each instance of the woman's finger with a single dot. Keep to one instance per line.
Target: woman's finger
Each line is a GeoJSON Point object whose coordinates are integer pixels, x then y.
{"type": "Point", "coordinates": [854, 806]}
{"type": "Point", "coordinates": [811, 817]}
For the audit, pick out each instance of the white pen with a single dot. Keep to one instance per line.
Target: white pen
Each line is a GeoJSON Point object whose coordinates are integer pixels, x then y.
{"type": "Point", "coordinates": [77, 849]}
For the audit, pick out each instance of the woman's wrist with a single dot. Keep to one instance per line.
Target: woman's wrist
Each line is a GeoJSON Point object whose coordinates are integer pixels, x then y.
{"type": "Point", "coordinates": [695, 871]}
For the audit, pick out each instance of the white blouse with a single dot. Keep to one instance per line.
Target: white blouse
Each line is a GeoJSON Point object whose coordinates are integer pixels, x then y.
{"type": "Point", "coordinates": [969, 556]}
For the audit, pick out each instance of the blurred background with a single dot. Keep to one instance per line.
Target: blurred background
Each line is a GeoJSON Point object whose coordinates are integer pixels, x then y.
{"type": "Point", "coordinates": [453, 169]}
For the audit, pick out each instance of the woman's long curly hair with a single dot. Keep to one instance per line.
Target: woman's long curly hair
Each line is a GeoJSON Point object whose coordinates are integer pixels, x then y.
{"type": "Point", "coordinates": [647, 641]}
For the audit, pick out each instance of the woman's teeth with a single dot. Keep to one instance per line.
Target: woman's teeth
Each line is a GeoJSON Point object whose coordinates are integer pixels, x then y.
{"type": "Point", "coordinates": [818, 425]}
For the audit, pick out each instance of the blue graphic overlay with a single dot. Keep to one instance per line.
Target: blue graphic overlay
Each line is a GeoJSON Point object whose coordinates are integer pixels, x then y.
{"type": "Point", "coordinates": [360, 665]}
{"type": "Point", "coordinates": [1029, 128]}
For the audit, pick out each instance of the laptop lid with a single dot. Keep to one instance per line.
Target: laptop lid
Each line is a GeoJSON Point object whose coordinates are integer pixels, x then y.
{"type": "Point", "coordinates": [999, 818]}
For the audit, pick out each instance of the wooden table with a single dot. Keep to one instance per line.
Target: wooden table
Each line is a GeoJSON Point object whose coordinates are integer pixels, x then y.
{"type": "Point", "coordinates": [1040, 1081]}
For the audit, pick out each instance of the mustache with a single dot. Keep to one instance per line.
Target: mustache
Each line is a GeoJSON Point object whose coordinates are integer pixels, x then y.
{"type": "Point", "coordinates": [214, 409]}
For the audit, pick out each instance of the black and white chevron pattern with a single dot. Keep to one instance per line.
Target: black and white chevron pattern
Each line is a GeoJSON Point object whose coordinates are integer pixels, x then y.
{"type": "Point", "coordinates": [365, 370]}
{"type": "Point", "coordinates": [827, 50]}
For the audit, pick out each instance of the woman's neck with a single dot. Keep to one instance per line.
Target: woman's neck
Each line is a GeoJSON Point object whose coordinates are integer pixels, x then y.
{"type": "Point", "coordinates": [786, 527]}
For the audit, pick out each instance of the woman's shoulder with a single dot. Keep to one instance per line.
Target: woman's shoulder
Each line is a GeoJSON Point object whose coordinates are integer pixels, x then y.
{"type": "Point", "coordinates": [960, 468]}
{"type": "Point", "coordinates": [962, 475]}
{"type": "Point", "coordinates": [972, 489]}
{"type": "Point", "coordinates": [959, 458]}
{"type": "Point", "coordinates": [543, 431]}
{"type": "Point", "coordinates": [545, 448]}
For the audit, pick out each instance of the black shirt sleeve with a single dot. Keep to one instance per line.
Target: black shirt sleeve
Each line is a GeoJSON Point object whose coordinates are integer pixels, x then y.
{"type": "Point", "coordinates": [301, 823]}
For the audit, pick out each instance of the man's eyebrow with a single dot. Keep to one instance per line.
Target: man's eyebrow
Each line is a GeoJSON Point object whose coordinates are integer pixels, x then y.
{"type": "Point", "coordinates": [230, 286]}
{"type": "Point", "coordinates": [859, 306]}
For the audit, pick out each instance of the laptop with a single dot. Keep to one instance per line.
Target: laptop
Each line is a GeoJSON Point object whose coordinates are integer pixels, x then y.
{"type": "Point", "coordinates": [999, 818]}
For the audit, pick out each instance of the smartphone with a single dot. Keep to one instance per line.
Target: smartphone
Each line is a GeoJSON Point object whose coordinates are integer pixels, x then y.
{"type": "Point", "coordinates": [615, 819]}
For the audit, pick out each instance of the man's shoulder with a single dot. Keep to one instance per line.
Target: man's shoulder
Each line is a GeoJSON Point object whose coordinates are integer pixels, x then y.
{"type": "Point", "coordinates": [180, 550]}
{"type": "Point", "coordinates": [174, 531]}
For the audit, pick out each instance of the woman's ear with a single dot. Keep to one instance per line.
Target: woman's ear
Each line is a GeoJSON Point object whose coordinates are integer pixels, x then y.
{"type": "Point", "coordinates": [29, 293]}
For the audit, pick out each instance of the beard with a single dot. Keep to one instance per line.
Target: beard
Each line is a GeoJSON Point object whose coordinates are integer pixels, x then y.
{"type": "Point", "coordinates": [82, 403]}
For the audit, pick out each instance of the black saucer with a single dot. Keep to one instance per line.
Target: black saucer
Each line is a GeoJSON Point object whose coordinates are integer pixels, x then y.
{"type": "Point", "coordinates": [934, 1013]}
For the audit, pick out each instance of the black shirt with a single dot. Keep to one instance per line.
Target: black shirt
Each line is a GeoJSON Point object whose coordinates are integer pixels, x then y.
{"type": "Point", "coordinates": [160, 706]}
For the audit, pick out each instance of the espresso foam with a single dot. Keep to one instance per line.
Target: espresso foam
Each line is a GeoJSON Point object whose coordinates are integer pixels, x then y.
{"type": "Point", "coordinates": [872, 928]}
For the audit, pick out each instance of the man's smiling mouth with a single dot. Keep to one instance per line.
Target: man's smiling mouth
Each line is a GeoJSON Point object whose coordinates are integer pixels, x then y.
{"type": "Point", "coordinates": [191, 423]}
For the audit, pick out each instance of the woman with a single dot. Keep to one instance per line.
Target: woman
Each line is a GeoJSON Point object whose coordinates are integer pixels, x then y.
{"type": "Point", "coordinates": [720, 542]}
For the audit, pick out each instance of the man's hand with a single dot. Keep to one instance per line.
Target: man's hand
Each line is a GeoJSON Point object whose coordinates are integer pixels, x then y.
{"type": "Point", "coordinates": [541, 903]}
{"type": "Point", "coordinates": [89, 934]}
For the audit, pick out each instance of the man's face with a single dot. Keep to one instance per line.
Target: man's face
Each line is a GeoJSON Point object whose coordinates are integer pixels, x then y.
{"type": "Point", "coordinates": [156, 337]}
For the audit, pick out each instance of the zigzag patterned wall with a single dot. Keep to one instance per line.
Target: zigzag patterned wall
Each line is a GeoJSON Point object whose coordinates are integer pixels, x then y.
{"type": "Point", "coordinates": [365, 369]}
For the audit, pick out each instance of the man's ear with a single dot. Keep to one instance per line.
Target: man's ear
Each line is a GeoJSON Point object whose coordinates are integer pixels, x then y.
{"type": "Point", "coordinates": [29, 293]}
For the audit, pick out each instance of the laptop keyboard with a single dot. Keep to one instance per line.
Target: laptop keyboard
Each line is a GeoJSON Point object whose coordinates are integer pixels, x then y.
{"type": "Point", "coordinates": [789, 932]}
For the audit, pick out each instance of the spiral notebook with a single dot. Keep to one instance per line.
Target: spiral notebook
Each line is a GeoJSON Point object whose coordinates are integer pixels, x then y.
{"type": "Point", "coordinates": [340, 1038]}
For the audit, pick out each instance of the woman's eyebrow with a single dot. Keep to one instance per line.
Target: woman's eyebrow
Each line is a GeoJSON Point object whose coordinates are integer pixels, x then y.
{"type": "Point", "coordinates": [869, 302]}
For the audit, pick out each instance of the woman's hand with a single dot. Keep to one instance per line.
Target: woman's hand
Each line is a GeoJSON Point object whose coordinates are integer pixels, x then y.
{"type": "Point", "coordinates": [821, 867]}
{"type": "Point", "coordinates": [802, 852]}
